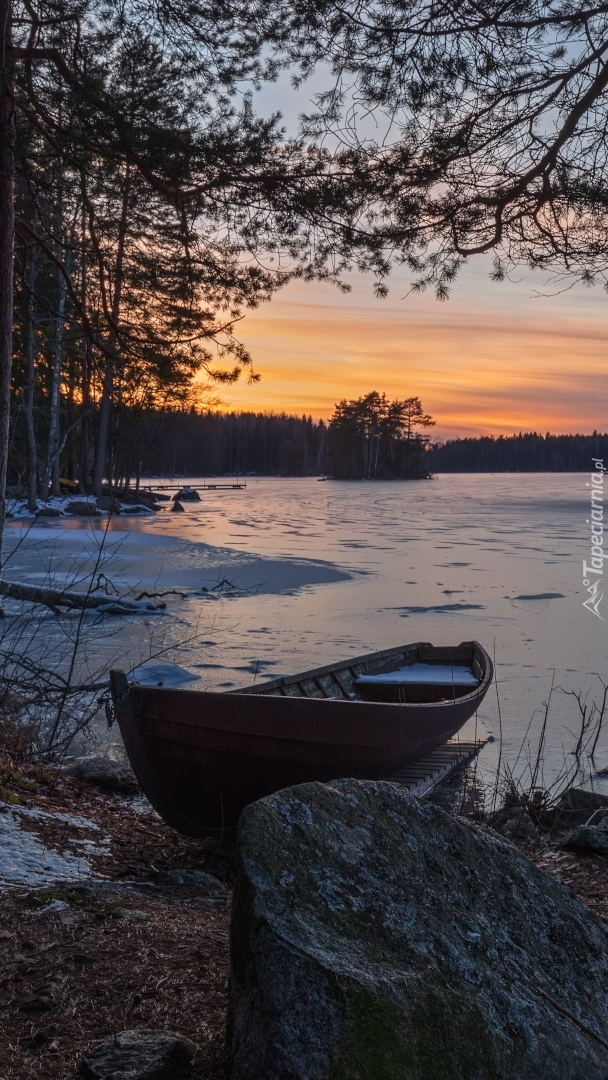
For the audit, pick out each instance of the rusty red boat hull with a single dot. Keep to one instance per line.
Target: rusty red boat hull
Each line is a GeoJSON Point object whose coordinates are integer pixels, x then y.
{"type": "Point", "coordinates": [201, 757]}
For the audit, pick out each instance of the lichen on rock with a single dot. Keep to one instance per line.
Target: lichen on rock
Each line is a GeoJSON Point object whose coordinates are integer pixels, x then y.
{"type": "Point", "coordinates": [375, 937]}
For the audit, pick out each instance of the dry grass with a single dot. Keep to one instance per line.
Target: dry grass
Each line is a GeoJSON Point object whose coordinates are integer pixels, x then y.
{"type": "Point", "coordinates": [586, 876]}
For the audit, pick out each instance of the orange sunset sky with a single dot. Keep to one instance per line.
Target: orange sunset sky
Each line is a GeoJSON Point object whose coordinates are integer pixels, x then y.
{"type": "Point", "coordinates": [494, 358]}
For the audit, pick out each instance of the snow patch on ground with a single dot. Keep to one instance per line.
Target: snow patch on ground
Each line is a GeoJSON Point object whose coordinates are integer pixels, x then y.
{"type": "Point", "coordinates": [24, 860]}
{"type": "Point", "coordinates": [87, 847]}
{"type": "Point", "coordinates": [18, 508]}
{"type": "Point", "coordinates": [68, 819]}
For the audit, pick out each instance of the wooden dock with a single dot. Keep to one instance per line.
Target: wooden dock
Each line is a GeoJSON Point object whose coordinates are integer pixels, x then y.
{"type": "Point", "coordinates": [424, 775]}
{"type": "Point", "coordinates": [223, 487]}
{"type": "Point", "coordinates": [239, 486]}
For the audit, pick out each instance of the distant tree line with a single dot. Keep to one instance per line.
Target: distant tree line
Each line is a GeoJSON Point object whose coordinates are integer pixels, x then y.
{"type": "Point", "coordinates": [212, 443]}
{"type": "Point", "coordinates": [367, 438]}
{"type": "Point", "coordinates": [529, 452]}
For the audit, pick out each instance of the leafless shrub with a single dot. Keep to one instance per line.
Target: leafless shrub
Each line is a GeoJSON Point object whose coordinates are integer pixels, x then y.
{"type": "Point", "coordinates": [521, 784]}
{"type": "Point", "coordinates": [18, 735]}
{"type": "Point", "coordinates": [54, 666]}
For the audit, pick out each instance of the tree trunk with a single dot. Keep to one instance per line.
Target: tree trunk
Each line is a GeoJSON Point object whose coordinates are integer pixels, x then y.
{"type": "Point", "coordinates": [55, 488]}
{"type": "Point", "coordinates": [69, 441]}
{"type": "Point", "coordinates": [103, 423]}
{"type": "Point", "coordinates": [83, 466]}
{"type": "Point", "coordinates": [56, 599]}
{"type": "Point", "coordinates": [126, 480]}
{"type": "Point", "coordinates": [30, 382]}
{"type": "Point", "coordinates": [140, 452]}
{"type": "Point", "coordinates": [7, 236]}
{"type": "Point", "coordinates": [51, 469]}
{"type": "Point", "coordinates": [105, 407]}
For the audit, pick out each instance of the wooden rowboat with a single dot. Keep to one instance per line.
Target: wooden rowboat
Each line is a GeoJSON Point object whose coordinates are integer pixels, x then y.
{"type": "Point", "coordinates": [200, 757]}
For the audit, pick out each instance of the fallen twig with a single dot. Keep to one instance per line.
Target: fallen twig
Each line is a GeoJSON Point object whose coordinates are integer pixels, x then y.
{"type": "Point", "coordinates": [167, 592]}
{"type": "Point", "coordinates": [55, 599]}
{"type": "Point", "coordinates": [221, 584]}
{"type": "Point", "coordinates": [566, 1012]}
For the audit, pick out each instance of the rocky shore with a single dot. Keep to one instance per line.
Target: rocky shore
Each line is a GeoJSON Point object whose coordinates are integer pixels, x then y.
{"type": "Point", "coordinates": [138, 939]}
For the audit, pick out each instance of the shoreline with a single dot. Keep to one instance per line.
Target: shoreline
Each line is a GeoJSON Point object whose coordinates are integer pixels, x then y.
{"type": "Point", "coordinates": [131, 944]}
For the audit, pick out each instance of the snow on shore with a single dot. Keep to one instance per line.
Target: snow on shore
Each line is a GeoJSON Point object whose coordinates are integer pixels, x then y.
{"type": "Point", "coordinates": [24, 859]}
{"type": "Point", "coordinates": [59, 505]}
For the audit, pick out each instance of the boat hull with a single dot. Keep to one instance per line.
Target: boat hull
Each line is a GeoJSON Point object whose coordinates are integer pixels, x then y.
{"type": "Point", "coordinates": [202, 757]}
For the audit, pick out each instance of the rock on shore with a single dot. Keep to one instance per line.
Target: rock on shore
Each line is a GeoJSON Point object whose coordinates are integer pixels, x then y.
{"type": "Point", "coordinates": [376, 938]}
{"type": "Point", "coordinates": [103, 773]}
{"type": "Point", "coordinates": [139, 1055]}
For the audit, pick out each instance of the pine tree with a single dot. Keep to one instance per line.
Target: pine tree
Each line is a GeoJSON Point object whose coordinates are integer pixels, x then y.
{"type": "Point", "coordinates": [372, 438]}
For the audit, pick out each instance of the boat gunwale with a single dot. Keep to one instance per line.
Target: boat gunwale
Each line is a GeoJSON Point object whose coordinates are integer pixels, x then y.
{"type": "Point", "coordinates": [471, 646]}
{"type": "Point", "coordinates": [327, 669]}
{"type": "Point", "coordinates": [263, 689]}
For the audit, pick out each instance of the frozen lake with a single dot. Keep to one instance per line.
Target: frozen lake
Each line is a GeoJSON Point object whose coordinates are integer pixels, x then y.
{"type": "Point", "coordinates": [324, 570]}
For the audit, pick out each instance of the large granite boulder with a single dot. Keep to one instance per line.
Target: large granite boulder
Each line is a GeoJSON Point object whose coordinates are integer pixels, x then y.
{"type": "Point", "coordinates": [137, 498]}
{"type": "Point", "coordinates": [374, 937]}
{"type": "Point", "coordinates": [48, 511]}
{"type": "Point", "coordinates": [109, 503]}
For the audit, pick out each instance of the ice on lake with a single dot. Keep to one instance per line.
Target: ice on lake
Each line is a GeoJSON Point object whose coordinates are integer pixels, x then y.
{"type": "Point", "coordinates": [299, 574]}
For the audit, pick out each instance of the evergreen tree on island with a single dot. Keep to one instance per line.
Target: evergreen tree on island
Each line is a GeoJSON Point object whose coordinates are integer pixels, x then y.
{"type": "Point", "coordinates": [372, 438]}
